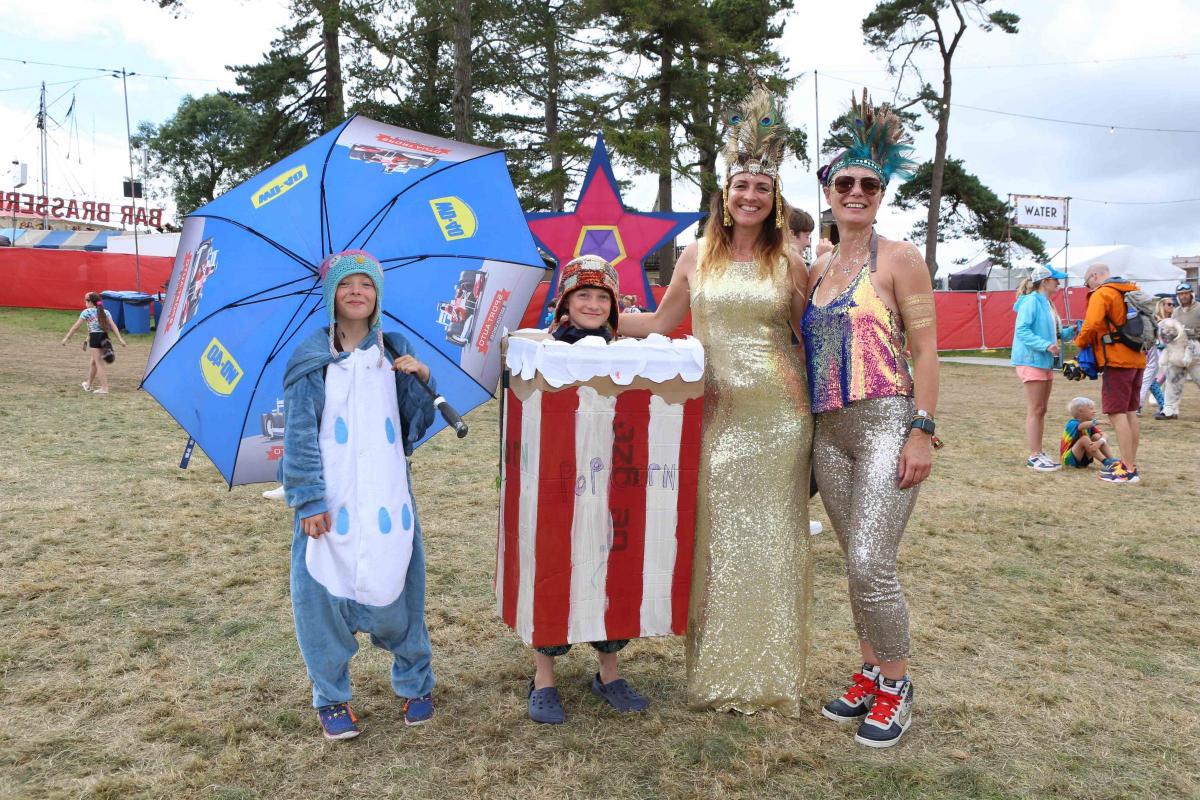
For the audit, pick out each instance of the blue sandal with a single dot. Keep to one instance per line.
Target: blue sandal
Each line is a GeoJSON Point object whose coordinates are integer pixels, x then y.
{"type": "Point", "coordinates": [545, 706]}
{"type": "Point", "coordinates": [619, 694]}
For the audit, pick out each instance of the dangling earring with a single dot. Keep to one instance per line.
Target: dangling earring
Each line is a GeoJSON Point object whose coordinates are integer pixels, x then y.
{"type": "Point", "coordinates": [728, 220]}
{"type": "Point", "coordinates": [778, 204]}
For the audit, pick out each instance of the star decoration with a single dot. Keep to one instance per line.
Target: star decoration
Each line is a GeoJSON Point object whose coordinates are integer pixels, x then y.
{"type": "Point", "coordinates": [600, 225]}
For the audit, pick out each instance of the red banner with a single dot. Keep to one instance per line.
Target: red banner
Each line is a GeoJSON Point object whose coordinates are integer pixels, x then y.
{"type": "Point", "coordinates": [34, 278]}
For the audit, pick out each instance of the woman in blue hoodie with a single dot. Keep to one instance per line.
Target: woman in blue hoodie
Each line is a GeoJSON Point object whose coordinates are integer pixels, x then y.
{"type": "Point", "coordinates": [353, 409]}
{"type": "Point", "coordinates": [1035, 349]}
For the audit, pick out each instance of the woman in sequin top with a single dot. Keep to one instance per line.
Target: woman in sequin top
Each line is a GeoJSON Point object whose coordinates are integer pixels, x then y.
{"type": "Point", "coordinates": [871, 299]}
{"type": "Point", "coordinates": [748, 620]}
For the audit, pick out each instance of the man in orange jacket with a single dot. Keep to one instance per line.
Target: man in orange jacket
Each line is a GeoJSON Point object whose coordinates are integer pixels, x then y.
{"type": "Point", "coordinates": [1121, 382]}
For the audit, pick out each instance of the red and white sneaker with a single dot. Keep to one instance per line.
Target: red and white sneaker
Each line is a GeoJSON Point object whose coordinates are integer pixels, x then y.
{"type": "Point", "coordinates": [891, 714]}
{"type": "Point", "coordinates": [856, 701]}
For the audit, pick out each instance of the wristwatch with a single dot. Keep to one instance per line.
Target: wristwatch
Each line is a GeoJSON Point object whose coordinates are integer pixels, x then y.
{"type": "Point", "coordinates": [923, 422]}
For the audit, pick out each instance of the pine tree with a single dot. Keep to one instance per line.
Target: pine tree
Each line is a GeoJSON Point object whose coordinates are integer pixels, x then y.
{"type": "Point", "coordinates": [903, 28]}
{"type": "Point", "coordinates": [706, 55]}
{"type": "Point", "coordinates": [968, 209]}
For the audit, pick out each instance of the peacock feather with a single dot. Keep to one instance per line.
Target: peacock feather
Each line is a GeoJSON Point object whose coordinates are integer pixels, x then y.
{"type": "Point", "coordinates": [756, 137]}
{"type": "Point", "coordinates": [873, 138]}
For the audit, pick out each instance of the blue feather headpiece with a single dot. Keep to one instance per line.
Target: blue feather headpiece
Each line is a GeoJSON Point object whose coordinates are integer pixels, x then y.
{"type": "Point", "coordinates": [875, 139]}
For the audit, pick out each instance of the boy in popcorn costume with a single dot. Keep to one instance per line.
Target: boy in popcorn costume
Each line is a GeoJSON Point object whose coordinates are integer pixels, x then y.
{"type": "Point", "coordinates": [587, 306]}
{"type": "Point", "coordinates": [354, 408]}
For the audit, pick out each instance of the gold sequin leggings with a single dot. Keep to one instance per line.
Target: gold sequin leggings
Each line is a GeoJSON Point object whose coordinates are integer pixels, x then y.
{"type": "Point", "coordinates": [855, 453]}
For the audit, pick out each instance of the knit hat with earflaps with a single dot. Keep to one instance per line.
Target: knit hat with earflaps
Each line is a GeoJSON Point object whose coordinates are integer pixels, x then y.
{"type": "Point", "coordinates": [588, 271]}
{"type": "Point", "coordinates": [352, 262]}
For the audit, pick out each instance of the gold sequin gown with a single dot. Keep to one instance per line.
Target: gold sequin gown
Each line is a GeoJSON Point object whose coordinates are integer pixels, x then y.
{"type": "Point", "coordinates": [748, 619]}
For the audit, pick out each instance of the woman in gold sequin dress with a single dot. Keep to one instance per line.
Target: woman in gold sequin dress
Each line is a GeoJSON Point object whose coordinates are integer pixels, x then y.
{"type": "Point", "coordinates": [751, 579]}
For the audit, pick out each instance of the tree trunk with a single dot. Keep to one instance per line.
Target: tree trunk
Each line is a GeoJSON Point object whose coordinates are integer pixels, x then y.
{"type": "Point", "coordinates": [335, 105]}
{"type": "Point", "coordinates": [938, 172]}
{"type": "Point", "coordinates": [553, 81]}
{"type": "Point", "coordinates": [666, 256]}
{"type": "Point", "coordinates": [461, 101]}
{"type": "Point", "coordinates": [429, 44]}
{"type": "Point", "coordinates": [709, 144]}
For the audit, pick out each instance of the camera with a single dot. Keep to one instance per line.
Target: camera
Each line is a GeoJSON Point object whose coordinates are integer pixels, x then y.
{"type": "Point", "coordinates": [1072, 371]}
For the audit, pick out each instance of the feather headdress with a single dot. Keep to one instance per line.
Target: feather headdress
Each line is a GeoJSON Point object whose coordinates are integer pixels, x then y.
{"type": "Point", "coordinates": [756, 144]}
{"type": "Point", "coordinates": [756, 137]}
{"type": "Point", "coordinates": [875, 139]}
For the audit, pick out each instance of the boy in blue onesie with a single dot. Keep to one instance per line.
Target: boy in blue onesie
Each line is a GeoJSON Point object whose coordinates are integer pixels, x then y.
{"type": "Point", "coordinates": [353, 410]}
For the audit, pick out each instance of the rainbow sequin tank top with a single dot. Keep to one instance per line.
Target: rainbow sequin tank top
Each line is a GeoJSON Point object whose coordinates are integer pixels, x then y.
{"type": "Point", "coordinates": [854, 347]}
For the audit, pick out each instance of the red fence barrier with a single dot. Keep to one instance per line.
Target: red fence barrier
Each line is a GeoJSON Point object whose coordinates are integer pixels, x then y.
{"type": "Point", "coordinates": [983, 320]}
{"type": "Point", "coordinates": [34, 278]}
{"type": "Point", "coordinates": [965, 320]}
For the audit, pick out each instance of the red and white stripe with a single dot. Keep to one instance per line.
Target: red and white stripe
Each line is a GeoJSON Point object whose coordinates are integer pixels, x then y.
{"type": "Point", "coordinates": [597, 508]}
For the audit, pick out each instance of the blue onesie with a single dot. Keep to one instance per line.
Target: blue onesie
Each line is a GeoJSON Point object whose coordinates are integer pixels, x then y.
{"type": "Point", "coordinates": [350, 425]}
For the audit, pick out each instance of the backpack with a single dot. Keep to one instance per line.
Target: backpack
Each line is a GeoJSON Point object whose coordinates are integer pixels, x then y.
{"type": "Point", "coordinates": [1139, 331]}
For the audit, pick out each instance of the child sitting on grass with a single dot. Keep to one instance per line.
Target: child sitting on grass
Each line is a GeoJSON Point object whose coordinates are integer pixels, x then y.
{"type": "Point", "coordinates": [1082, 441]}
{"type": "Point", "coordinates": [587, 306]}
{"type": "Point", "coordinates": [354, 408]}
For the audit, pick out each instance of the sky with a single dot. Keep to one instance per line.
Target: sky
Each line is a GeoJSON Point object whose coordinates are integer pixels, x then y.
{"type": "Point", "coordinates": [1119, 64]}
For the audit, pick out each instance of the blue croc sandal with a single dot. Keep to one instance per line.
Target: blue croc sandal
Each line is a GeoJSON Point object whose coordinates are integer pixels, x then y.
{"type": "Point", "coordinates": [545, 706]}
{"type": "Point", "coordinates": [619, 694]}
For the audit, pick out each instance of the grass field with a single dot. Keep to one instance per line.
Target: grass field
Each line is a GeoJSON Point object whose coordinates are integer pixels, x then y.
{"type": "Point", "coordinates": [149, 651]}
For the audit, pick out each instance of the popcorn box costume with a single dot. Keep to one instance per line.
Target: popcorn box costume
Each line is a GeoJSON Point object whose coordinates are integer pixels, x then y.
{"type": "Point", "coordinates": [600, 448]}
{"type": "Point", "coordinates": [351, 423]}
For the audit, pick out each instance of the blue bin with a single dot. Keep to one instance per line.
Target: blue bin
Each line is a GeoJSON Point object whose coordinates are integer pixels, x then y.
{"type": "Point", "coordinates": [158, 301]}
{"type": "Point", "coordinates": [115, 307]}
{"type": "Point", "coordinates": [137, 316]}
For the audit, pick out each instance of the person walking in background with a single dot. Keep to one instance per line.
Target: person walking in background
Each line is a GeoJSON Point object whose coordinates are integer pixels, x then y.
{"type": "Point", "coordinates": [1179, 363]}
{"type": "Point", "coordinates": [1150, 386]}
{"type": "Point", "coordinates": [1187, 310]}
{"type": "Point", "coordinates": [1035, 349]}
{"type": "Point", "coordinates": [99, 325]}
{"type": "Point", "coordinates": [873, 445]}
{"type": "Point", "coordinates": [1121, 381]}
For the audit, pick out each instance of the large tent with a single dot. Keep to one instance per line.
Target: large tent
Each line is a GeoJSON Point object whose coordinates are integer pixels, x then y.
{"type": "Point", "coordinates": [1151, 273]}
{"type": "Point", "coordinates": [985, 276]}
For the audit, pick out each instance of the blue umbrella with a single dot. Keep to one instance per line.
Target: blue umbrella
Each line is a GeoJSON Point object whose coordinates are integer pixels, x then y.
{"type": "Point", "coordinates": [441, 216]}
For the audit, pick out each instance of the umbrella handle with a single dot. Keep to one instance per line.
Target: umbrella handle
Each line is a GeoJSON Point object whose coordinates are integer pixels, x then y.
{"type": "Point", "coordinates": [448, 413]}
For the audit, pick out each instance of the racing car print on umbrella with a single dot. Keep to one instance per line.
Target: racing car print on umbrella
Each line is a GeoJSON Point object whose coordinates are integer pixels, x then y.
{"type": "Point", "coordinates": [460, 266]}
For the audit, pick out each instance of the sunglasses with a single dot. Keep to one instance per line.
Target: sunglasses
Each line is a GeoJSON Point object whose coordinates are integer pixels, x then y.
{"type": "Point", "coordinates": [870, 186]}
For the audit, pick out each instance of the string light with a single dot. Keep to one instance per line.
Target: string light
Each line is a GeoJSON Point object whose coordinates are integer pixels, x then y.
{"type": "Point", "coordinates": [1111, 128]}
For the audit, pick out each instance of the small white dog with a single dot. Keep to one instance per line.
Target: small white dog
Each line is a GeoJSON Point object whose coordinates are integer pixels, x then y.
{"type": "Point", "coordinates": [1179, 362]}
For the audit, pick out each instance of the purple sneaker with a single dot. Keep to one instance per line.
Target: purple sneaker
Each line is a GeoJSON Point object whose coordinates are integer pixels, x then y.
{"type": "Point", "coordinates": [338, 721]}
{"type": "Point", "coordinates": [418, 710]}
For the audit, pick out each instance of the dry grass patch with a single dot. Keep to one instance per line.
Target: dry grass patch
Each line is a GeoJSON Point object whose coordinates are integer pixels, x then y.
{"type": "Point", "coordinates": [151, 653]}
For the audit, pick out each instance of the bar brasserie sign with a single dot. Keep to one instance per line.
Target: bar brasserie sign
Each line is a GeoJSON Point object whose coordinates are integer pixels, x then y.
{"type": "Point", "coordinates": [78, 210]}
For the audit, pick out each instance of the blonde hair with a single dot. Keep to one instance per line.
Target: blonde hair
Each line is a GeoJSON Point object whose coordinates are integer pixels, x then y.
{"type": "Point", "coordinates": [1025, 287]}
{"type": "Point", "coordinates": [717, 253]}
{"type": "Point", "coordinates": [1159, 308]}
{"type": "Point", "coordinates": [1076, 403]}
